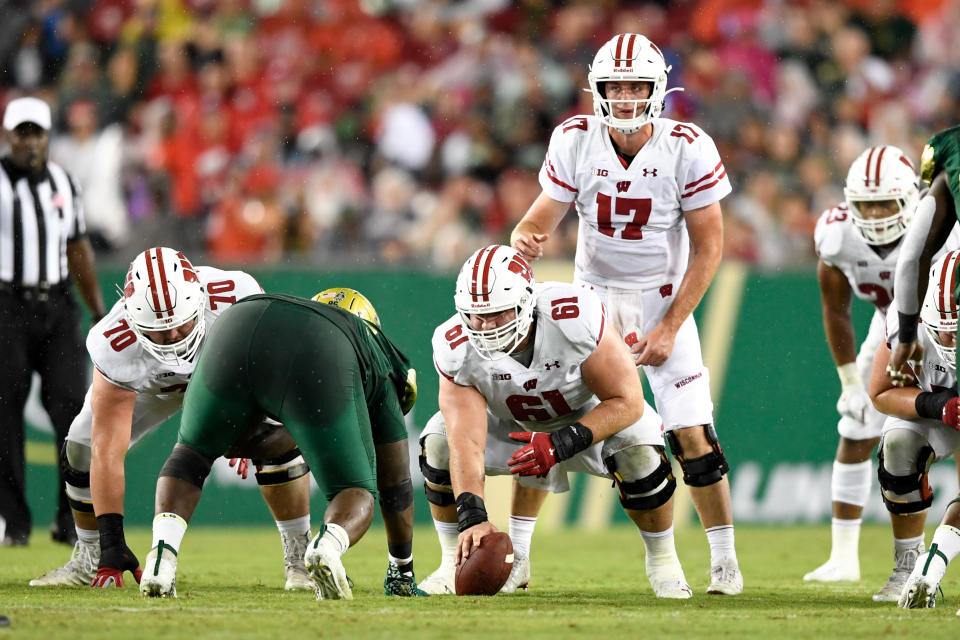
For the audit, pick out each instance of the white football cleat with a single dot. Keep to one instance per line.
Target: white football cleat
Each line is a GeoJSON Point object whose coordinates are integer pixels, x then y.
{"type": "Point", "coordinates": [441, 582]}
{"type": "Point", "coordinates": [81, 569]}
{"type": "Point", "coordinates": [326, 569]}
{"type": "Point", "coordinates": [726, 579]}
{"type": "Point", "coordinates": [918, 593]}
{"type": "Point", "coordinates": [669, 582]}
{"type": "Point", "coordinates": [519, 575]}
{"type": "Point", "coordinates": [159, 579]}
{"type": "Point", "coordinates": [835, 571]}
{"type": "Point", "coordinates": [294, 546]}
{"type": "Point", "coordinates": [905, 562]}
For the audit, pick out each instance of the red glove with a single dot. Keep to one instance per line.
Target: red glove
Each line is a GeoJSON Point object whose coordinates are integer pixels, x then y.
{"type": "Point", "coordinates": [242, 465]}
{"type": "Point", "coordinates": [534, 459]}
{"type": "Point", "coordinates": [113, 563]}
{"type": "Point", "coordinates": [951, 413]}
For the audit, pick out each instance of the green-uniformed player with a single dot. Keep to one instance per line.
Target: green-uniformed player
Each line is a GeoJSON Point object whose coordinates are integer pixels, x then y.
{"type": "Point", "coordinates": [340, 388]}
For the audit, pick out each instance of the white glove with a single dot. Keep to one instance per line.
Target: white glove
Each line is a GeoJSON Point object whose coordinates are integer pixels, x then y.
{"type": "Point", "coordinates": [854, 403]}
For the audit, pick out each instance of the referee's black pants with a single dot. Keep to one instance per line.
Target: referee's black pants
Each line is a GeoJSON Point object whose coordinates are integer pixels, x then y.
{"type": "Point", "coordinates": [42, 334]}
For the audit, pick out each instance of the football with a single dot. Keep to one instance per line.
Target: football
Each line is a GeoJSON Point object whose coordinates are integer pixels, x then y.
{"type": "Point", "coordinates": [487, 568]}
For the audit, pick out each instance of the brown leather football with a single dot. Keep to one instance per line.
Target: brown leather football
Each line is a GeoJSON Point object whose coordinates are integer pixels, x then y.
{"type": "Point", "coordinates": [487, 568]}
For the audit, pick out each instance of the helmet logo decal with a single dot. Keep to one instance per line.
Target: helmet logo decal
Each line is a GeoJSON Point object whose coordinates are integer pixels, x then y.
{"type": "Point", "coordinates": [128, 288]}
{"type": "Point", "coordinates": [189, 273]}
{"type": "Point", "coordinates": [520, 266]}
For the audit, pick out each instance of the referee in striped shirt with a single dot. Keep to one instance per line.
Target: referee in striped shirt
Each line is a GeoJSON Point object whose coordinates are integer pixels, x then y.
{"type": "Point", "coordinates": [42, 246]}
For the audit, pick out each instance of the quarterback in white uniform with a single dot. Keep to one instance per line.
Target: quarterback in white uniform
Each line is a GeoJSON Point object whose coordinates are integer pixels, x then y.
{"type": "Point", "coordinates": [538, 364]}
{"type": "Point", "coordinates": [143, 361]}
{"type": "Point", "coordinates": [647, 191]}
{"type": "Point", "coordinates": [915, 436]}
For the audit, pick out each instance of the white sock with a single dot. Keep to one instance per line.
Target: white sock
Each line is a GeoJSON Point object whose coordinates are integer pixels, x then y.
{"type": "Point", "coordinates": [850, 483]}
{"type": "Point", "coordinates": [905, 544]}
{"type": "Point", "coordinates": [521, 532]}
{"type": "Point", "coordinates": [943, 549]}
{"type": "Point", "coordinates": [846, 540]}
{"type": "Point", "coordinates": [88, 536]}
{"type": "Point", "coordinates": [447, 533]}
{"type": "Point", "coordinates": [404, 565]}
{"type": "Point", "coordinates": [660, 548]}
{"type": "Point", "coordinates": [721, 544]}
{"type": "Point", "coordinates": [295, 526]}
{"type": "Point", "coordinates": [169, 528]}
{"type": "Point", "coordinates": [337, 535]}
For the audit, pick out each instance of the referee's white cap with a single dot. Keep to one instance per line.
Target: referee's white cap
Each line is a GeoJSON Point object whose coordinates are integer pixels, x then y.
{"type": "Point", "coordinates": [26, 110]}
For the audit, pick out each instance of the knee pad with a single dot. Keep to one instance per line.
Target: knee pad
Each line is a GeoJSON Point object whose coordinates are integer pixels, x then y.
{"type": "Point", "coordinates": [282, 470]}
{"type": "Point", "coordinates": [397, 498]}
{"type": "Point", "coordinates": [435, 467]}
{"type": "Point", "coordinates": [75, 464]}
{"type": "Point", "coordinates": [188, 465]}
{"type": "Point", "coordinates": [643, 476]}
{"type": "Point", "coordinates": [905, 486]}
{"type": "Point", "coordinates": [705, 470]}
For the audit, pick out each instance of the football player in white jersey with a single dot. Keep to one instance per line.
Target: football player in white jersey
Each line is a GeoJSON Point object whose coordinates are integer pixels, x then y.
{"type": "Point", "coordinates": [647, 191]}
{"type": "Point", "coordinates": [915, 436]}
{"type": "Point", "coordinates": [144, 352]}
{"type": "Point", "coordinates": [537, 364]}
{"type": "Point", "coordinates": [858, 243]}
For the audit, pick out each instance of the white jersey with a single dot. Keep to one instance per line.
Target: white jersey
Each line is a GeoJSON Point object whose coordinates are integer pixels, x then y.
{"type": "Point", "coordinates": [632, 233]}
{"type": "Point", "coordinates": [935, 373]}
{"type": "Point", "coordinates": [871, 276]}
{"type": "Point", "coordinates": [551, 392]}
{"type": "Point", "coordinates": [120, 358]}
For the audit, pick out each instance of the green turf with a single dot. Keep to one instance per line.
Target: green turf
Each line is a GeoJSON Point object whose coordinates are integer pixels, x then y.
{"type": "Point", "coordinates": [585, 585]}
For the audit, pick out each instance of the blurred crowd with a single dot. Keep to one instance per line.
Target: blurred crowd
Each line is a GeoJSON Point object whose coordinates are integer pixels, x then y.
{"type": "Point", "coordinates": [409, 132]}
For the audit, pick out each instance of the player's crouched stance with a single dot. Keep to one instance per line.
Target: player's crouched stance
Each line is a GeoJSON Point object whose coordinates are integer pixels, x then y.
{"type": "Point", "coordinates": [340, 387]}
{"type": "Point", "coordinates": [914, 436]}
{"type": "Point", "coordinates": [537, 364]}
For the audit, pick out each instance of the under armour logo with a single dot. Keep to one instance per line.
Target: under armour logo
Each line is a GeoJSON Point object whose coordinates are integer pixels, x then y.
{"type": "Point", "coordinates": [529, 385]}
{"type": "Point", "coordinates": [651, 172]}
{"type": "Point", "coordinates": [623, 185]}
{"type": "Point", "coordinates": [556, 363]}
{"type": "Point", "coordinates": [666, 290]}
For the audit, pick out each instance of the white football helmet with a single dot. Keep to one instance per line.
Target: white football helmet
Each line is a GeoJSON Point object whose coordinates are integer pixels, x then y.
{"type": "Point", "coordinates": [882, 173]}
{"type": "Point", "coordinates": [162, 292]}
{"type": "Point", "coordinates": [494, 279]}
{"type": "Point", "coordinates": [939, 312]}
{"type": "Point", "coordinates": [629, 57]}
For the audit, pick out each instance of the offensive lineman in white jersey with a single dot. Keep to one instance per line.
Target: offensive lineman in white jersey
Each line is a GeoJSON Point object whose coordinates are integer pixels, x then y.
{"type": "Point", "coordinates": [647, 191]}
{"type": "Point", "coordinates": [537, 364]}
{"type": "Point", "coordinates": [920, 431]}
{"type": "Point", "coordinates": [144, 352]}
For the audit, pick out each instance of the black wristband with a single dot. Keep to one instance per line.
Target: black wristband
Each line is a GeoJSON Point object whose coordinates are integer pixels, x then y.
{"type": "Point", "coordinates": [111, 530]}
{"type": "Point", "coordinates": [571, 440]}
{"type": "Point", "coordinates": [470, 511]}
{"type": "Point", "coordinates": [930, 404]}
{"type": "Point", "coordinates": [908, 327]}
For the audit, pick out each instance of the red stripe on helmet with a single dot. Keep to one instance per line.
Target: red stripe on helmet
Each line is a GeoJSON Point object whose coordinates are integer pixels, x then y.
{"type": "Point", "coordinates": [877, 171]}
{"type": "Point", "coordinates": [153, 282]}
{"type": "Point", "coordinates": [486, 274]}
{"type": "Point", "coordinates": [951, 306]}
{"type": "Point", "coordinates": [168, 305]}
{"type": "Point", "coordinates": [473, 277]}
{"type": "Point", "coordinates": [659, 53]}
{"type": "Point", "coordinates": [905, 160]}
{"type": "Point", "coordinates": [616, 55]}
{"type": "Point", "coordinates": [866, 176]}
{"type": "Point", "coordinates": [944, 295]}
{"type": "Point", "coordinates": [630, 42]}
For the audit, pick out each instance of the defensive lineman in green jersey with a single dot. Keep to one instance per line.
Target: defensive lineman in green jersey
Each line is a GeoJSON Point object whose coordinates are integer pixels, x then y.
{"type": "Point", "coordinates": [941, 155]}
{"type": "Point", "coordinates": [340, 388]}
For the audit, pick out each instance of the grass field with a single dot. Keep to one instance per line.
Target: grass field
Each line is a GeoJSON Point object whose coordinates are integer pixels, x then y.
{"type": "Point", "coordinates": [584, 586]}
